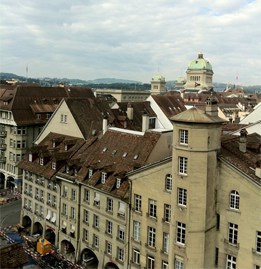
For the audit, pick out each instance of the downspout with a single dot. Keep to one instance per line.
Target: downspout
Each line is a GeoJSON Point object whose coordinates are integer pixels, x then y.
{"type": "Point", "coordinates": [78, 224]}
{"type": "Point", "coordinates": [129, 224]}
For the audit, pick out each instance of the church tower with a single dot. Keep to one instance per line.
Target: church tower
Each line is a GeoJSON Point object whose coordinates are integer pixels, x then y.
{"type": "Point", "coordinates": [196, 143]}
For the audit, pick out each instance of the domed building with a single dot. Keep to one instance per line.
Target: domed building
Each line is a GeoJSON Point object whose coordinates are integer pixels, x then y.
{"type": "Point", "coordinates": [199, 75]}
{"type": "Point", "coordinates": [158, 84]}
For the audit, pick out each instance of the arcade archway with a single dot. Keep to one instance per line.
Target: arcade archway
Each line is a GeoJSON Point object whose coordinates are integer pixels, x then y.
{"type": "Point", "coordinates": [10, 183]}
{"type": "Point", "coordinates": [89, 259]}
{"type": "Point", "coordinates": [26, 223]}
{"type": "Point", "coordinates": [37, 228]}
{"type": "Point", "coordinates": [111, 265]}
{"type": "Point", "coordinates": [68, 250]}
{"type": "Point", "coordinates": [50, 236]}
{"type": "Point", "coordinates": [2, 181]}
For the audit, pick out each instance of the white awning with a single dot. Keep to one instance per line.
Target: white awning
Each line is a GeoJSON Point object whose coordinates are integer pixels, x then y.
{"type": "Point", "coordinates": [53, 218]}
{"type": "Point", "coordinates": [97, 197]}
{"type": "Point", "coordinates": [48, 214]}
{"type": "Point", "coordinates": [72, 229]}
{"type": "Point", "coordinates": [122, 208]}
{"type": "Point", "coordinates": [64, 225]}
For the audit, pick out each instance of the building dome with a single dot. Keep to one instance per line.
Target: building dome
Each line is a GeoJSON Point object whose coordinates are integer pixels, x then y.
{"type": "Point", "coordinates": [158, 77]}
{"type": "Point", "coordinates": [200, 64]}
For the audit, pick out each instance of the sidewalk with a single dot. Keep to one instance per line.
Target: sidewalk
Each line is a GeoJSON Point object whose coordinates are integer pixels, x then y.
{"type": "Point", "coordinates": [7, 195]}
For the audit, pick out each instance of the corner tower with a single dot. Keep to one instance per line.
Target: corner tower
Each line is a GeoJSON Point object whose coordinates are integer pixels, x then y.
{"type": "Point", "coordinates": [196, 143]}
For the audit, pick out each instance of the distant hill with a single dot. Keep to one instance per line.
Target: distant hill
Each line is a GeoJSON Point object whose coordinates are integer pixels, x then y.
{"type": "Point", "coordinates": [103, 83]}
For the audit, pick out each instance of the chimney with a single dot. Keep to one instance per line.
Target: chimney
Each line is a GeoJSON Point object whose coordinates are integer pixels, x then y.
{"type": "Point", "coordinates": [130, 111]}
{"type": "Point", "coordinates": [104, 125]}
{"type": "Point", "coordinates": [212, 107]}
{"type": "Point", "coordinates": [145, 122]}
{"type": "Point", "coordinates": [243, 140]}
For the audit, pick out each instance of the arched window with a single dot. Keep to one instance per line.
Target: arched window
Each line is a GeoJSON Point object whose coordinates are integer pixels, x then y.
{"type": "Point", "coordinates": [234, 199]}
{"type": "Point", "coordinates": [168, 182]}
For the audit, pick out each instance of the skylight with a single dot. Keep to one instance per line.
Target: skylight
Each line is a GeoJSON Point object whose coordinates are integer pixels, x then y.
{"type": "Point", "coordinates": [125, 154]}
{"type": "Point", "coordinates": [136, 156]}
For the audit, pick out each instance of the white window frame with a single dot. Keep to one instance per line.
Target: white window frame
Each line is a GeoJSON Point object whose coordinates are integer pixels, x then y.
{"type": "Point", "coordinates": [231, 262]}
{"type": "Point", "coordinates": [165, 243]}
{"type": "Point", "coordinates": [232, 233]}
{"type": "Point", "coordinates": [152, 210]}
{"type": "Point", "coordinates": [108, 227]}
{"type": "Point", "coordinates": [86, 195]}
{"type": "Point", "coordinates": [73, 213]}
{"type": "Point", "coordinates": [85, 235]}
{"type": "Point", "coordinates": [95, 240]}
{"type": "Point", "coordinates": [167, 212]}
{"type": "Point", "coordinates": [120, 254]}
{"type": "Point", "coordinates": [103, 177]}
{"type": "Point", "coordinates": [150, 262]}
{"type": "Point", "coordinates": [108, 248]}
{"type": "Point", "coordinates": [109, 205]}
{"type": "Point", "coordinates": [165, 265]}
{"type": "Point", "coordinates": [182, 197]}
{"type": "Point", "coordinates": [179, 264]}
{"type": "Point", "coordinates": [181, 233]}
{"type": "Point", "coordinates": [95, 221]}
{"type": "Point", "coordinates": [137, 202]}
{"type": "Point", "coordinates": [86, 216]}
{"type": "Point", "coordinates": [234, 200]}
{"type": "Point", "coordinates": [183, 137]}
{"type": "Point", "coordinates": [168, 182]}
{"type": "Point", "coordinates": [73, 195]}
{"type": "Point", "coordinates": [136, 231]}
{"type": "Point", "coordinates": [151, 240]}
{"type": "Point", "coordinates": [183, 165]}
{"type": "Point", "coordinates": [121, 232]}
{"type": "Point", "coordinates": [135, 256]}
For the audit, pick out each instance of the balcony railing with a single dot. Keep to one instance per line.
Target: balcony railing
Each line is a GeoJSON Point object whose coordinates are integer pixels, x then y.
{"type": "Point", "coordinates": [2, 159]}
{"type": "Point", "coordinates": [2, 133]}
{"type": "Point", "coordinates": [2, 146]}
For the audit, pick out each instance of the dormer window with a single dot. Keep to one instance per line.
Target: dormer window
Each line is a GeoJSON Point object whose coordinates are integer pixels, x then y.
{"type": "Point", "coordinates": [136, 157]}
{"type": "Point", "coordinates": [41, 161]}
{"type": "Point", "coordinates": [75, 171]}
{"type": "Point", "coordinates": [118, 183]}
{"type": "Point", "coordinates": [103, 177]}
{"type": "Point", "coordinates": [96, 199]}
{"type": "Point", "coordinates": [65, 147]}
{"type": "Point", "coordinates": [90, 173]}
{"type": "Point", "coordinates": [67, 169]}
{"type": "Point", "coordinates": [54, 165]}
{"type": "Point", "coordinates": [30, 157]}
{"type": "Point", "coordinates": [104, 150]}
{"type": "Point", "coordinates": [125, 154]}
{"type": "Point", "coordinates": [54, 144]}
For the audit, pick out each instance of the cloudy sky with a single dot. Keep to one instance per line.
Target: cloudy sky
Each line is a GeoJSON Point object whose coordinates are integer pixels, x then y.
{"type": "Point", "coordinates": [132, 39]}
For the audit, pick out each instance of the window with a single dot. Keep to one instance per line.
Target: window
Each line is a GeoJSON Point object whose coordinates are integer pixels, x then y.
{"type": "Point", "coordinates": [103, 177]}
{"type": "Point", "coordinates": [234, 199]}
{"type": "Point", "coordinates": [258, 241]}
{"type": "Point", "coordinates": [152, 123]}
{"type": "Point", "coordinates": [150, 262]}
{"type": "Point", "coordinates": [181, 232]}
{"type": "Point", "coordinates": [167, 212]}
{"type": "Point", "coordinates": [48, 198]}
{"type": "Point", "coordinates": [96, 199]}
{"type": "Point", "coordinates": [231, 262]}
{"type": "Point", "coordinates": [151, 236]}
{"type": "Point", "coordinates": [85, 235]}
{"type": "Point", "coordinates": [73, 195]}
{"type": "Point", "coordinates": [72, 213]}
{"type": "Point", "coordinates": [165, 265]}
{"type": "Point", "coordinates": [136, 256]}
{"type": "Point", "coordinates": [64, 209]}
{"type": "Point", "coordinates": [183, 163]}
{"type": "Point", "coordinates": [120, 254]}
{"type": "Point", "coordinates": [95, 221]}
{"type": "Point", "coordinates": [152, 208]}
{"type": "Point", "coordinates": [182, 197]}
{"type": "Point", "coordinates": [86, 216]}
{"type": "Point", "coordinates": [90, 173]}
{"type": "Point", "coordinates": [65, 191]}
{"type": "Point", "coordinates": [165, 245]}
{"type": "Point", "coordinates": [121, 232]}
{"type": "Point", "coordinates": [86, 195]}
{"type": "Point", "coordinates": [118, 183]}
{"type": "Point", "coordinates": [168, 182]}
{"type": "Point", "coordinates": [136, 230]}
{"type": "Point", "coordinates": [109, 204]}
{"type": "Point", "coordinates": [179, 264]}
{"type": "Point", "coordinates": [232, 233]}
{"type": "Point", "coordinates": [54, 165]}
{"type": "Point", "coordinates": [108, 248]}
{"type": "Point", "coordinates": [257, 267]}
{"type": "Point", "coordinates": [183, 137]}
{"type": "Point", "coordinates": [137, 202]}
{"type": "Point", "coordinates": [108, 227]}
{"type": "Point", "coordinates": [95, 241]}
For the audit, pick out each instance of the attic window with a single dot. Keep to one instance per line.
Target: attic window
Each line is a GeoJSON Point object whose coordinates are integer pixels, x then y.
{"type": "Point", "coordinates": [105, 149]}
{"type": "Point", "coordinates": [90, 172]}
{"type": "Point", "coordinates": [75, 171]}
{"type": "Point", "coordinates": [103, 177]}
{"type": "Point", "coordinates": [30, 157]}
{"type": "Point", "coordinates": [48, 115]}
{"type": "Point", "coordinates": [41, 161]}
{"type": "Point", "coordinates": [122, 209]}
{"type": "Point", "coordinates": [38, 116]}
{"type": "Point", "coordinates": [136, 157]}
{"type": "Point", "coordinates": [54, 165]}
{"type": "Point", "coordinates": [65, 147]}
{"type": "Point", "coordinates": [54, 144]}
{"type": "Point", "coordinates": [118, 183]}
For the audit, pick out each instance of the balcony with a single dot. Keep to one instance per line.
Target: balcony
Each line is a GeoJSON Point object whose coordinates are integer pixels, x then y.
{"type": "Point", "coordinates": [2, 133]}
{"type": "Point", "coordinates": [2, 146]}
{"type": "Point", "coordinates": [2, 159]}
